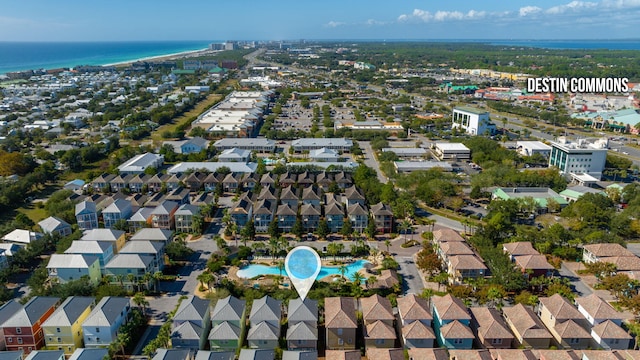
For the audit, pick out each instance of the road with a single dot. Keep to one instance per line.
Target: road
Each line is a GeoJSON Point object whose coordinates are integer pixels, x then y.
{"type": "Point", "coordinates": [371, 161]}
{"type": "Point", "coordinates": [412, 283]}
{"type": "Point", "coordinates": [578, 286]}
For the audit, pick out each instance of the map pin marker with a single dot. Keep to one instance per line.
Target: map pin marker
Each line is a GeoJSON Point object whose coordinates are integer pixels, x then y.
{"type": "Point", "coordinates": [303, 266]}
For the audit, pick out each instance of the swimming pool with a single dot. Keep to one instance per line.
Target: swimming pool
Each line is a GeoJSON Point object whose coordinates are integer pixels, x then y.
{"type": "Point", "coordinates": [254, 270]}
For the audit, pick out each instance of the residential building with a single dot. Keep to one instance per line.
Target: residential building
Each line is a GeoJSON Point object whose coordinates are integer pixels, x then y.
{"type": "Point", "coordinates": [54, 225]}
{"type": "Point", "coordinates": [119, 210]}
{"type": "Point", "coordinates": [310, 215]}
{"type": "Point", "coordinates": [334, 214]}
{"type": "Point", "coordinates": [242, 211]}
{"type": "Point", "coordinates": [212, 167]}
{"type": "Point", "coordinates": [383, 217]}
{"type": "Point", "coordinates": [263, 214]}
{"type": "Point", "coordinates": [46, 355]}
{"type": "Point", "coordinates": [215, 355]}
{"type": "Point", "coordinates": [63, 329]}
{"type": "Point", "coordinates": [140, 220]}
{"type": "Point", "coordinates": [12, 355]}
{"type": "Point", "coordinates": [286, 217]}
{"type": "Point", "coordinates": [173, 354]}
{"type": "Point", "coordinates": [89, 354]}
{"type": "Point", "coordinates": [304, 144]}
{"type": "Point", "coordinates": [413, 308]}
{"type": "Point", "coordinates": [189, 146]}
{"type": "Point", "coordinates": [451, 321]}
{"type": "Point", "coordinates": [128, 269]}
{"type": "Point", "coordinates": [359, 217]}
{"type": "Point", "coordinates": [163, 216]}
{"type": "Point", "coordinates": [592, 253]}
{"type": "Point", "coordinates": [103, 250]}
{"type": "Point", "coordinates": [344, 355]}
{"type": "Point", "coordinates": [340, 323]}
{"type": "Point", "coordinates": [428, 354]}
{"type": "Point", "coordinates": [451, 151]}
{"type": "Point", "coordinates": [528, 329]}
{"type": "Point", "coordinates": [579, 158]}
{"type": "Point", "coordinates": [489, 328]}
{"type": "Point", "coordinates": [597, 311]}
{"type": "Point", "coordinates": [472, 121]}
{"type": "Point", "coordinates": [7, 310]}
{"type": "Point", "coordinates": [22, 237]}
{"type": "Point", "coordinates": [228, 323]}
{"type": "Point", "coordinates": [191, 324]}
{"type": "Point", "coordinates": [139, 163]}
{"type": "Point", "coordinates": [565, 322]}
{"type": "Point", "coordinates": [446, 235]}
{"type": "Point", "coordinates": [23, 331]}
{"type": "Point", "coordinates": [68, 267]}
{"type": "Point", "coordinates": [265, 316]}
{"type": "Point", "coordinates": [302, 332]}
{"type": "Point", "coordinates": [256, 354]}
{"type": "Point", "coordinates": [184, 218]}
{"type": "Point", "coordinates": [378, 321]}
{"type": "Point", "coordinates": [235, 155]}
{"type": "Point", "coordinates": [252, 144]}
{"type": "Point", "coordinates": [154, 249]}
{"type": "Point", "coordinates": [385, 354]}
{"type": "Point", "coordinates": [153, 234]}
{"type": "Point", "coordinates": [87, 215]}
{"type": "Point", "coordinates": [462, 267]}
{"type": "Point", "coordinates": [101, 326]}
{"type": "Point", "coordinates": [609, 335]}
{"type": "Point", "coordinates": [116, 237]}
{"type": "Point", "coordinates": [324, 154]}
{"type": "Point", "coordinates": [300, 355]}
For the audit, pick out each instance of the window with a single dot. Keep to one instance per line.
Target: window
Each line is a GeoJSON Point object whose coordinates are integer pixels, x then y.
{"type": "Point", "coordinates": [458, 341]}
{"type": "Point", "coordinates": [59, 340]}
{"type": "Point", "coordinates": [496, 341]}
{"type": "Point", "coordinates": [10, 340]}
{"type": "Point", "coordinates": [340, 342]}
{"type": "Point", "coordinates": [340, 331]}
{"type": "Point", "coordinates": [19, 340]}
{"type": "Point", "coordinates": [574, 341]}
{"type": "Point", "coordinates": [349, 341]}
{"type": "Point", "coordinates": [97, 330]}
{"type": "Point", "coordinates": [97, 340]}
{"type": "Point", "coordinates": [57, 329]}
{"type": "Point", "coordinates": [18, 331]}
{"type": "Point", "coordinates": [379, 341]}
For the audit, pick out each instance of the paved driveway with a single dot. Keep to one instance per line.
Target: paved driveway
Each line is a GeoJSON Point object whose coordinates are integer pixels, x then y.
{"type": "Point", "coordinates": [578, 285]}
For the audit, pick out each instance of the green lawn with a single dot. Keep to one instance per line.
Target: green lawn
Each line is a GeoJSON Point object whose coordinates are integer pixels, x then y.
{"type": "Point", "coordinates": [156, 136]}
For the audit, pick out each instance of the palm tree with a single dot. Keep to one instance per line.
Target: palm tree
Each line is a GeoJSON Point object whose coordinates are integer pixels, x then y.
{"type": "Point", "coordinates": [120, 278]}
{"type": "Point", "coordinates": [157, 276]}
{"type": "Point", "coordinates": [387, 243]}
{"type": "Point", "coordinates": [334, 249]}
{"type": "Point", "coordinates": [430, 223]}
{"type": "Point", "coordinates": [280, 265]}
{"type": "Point", "coordinates": [371, 280]}
{"type": "Point", "coordinates": [357, 278]}
{"type": "Point", "coordinates": [274, 247]}
{"type": "Point", "coordinates": [141, 302]}
{"type": "Point", "coordinates": [343, 270]}
{"type": "Point", "coordinates": [131, 278]}
{"type": "Point", "coordinates": [147, 279]}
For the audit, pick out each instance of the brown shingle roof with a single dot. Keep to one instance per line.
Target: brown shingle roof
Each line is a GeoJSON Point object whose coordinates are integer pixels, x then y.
{"type": "Point", "coordinates": [512, 354]}
{"type": "Point", "coordinates": [450, 308]}
{"type": "Point", "coordinates": [380, 330]}
{"type": "Point", "coordinates": [467, 262]}
{"type": "Point", "coordinates": [477, 354]}
{"type": "Point", "coordinates": [456, 248]}
{"type": "Point", "coordinates": [607, 250]}
{"type": "Point", "coordinates": [411, 307]}
{"type": "Point", "coordinates": [442, 235]}
{"type": "Point", "coordinates": [340, 312]}
{"type": "Point", "coordinates": [598, 308]}
{"type": "Point", "coordinates": [624, 263]}
{"type": "Point", "coordinates": [456, 330]}
{"type": "Point", "coordinates": [597, 355]}
{"type": "Point", "coordinates": [376, 307]}
{"type": "Point", "coordinates": [526, 322]}
{"type": "Point", "coordinates": [520, 248]}
{"type": "Point", "coordinates": [533, 262]}
{"type": "Point", "coordinates": [560, 308]}
{"type": "Point", "coordinates": [557, 355]}
{"type": "Point", "coordinates": [428, 354]}
{"type": "Point", "coordinates": [571, 330]}
{"type": "Point", "coordinates": [609, 330]}
{"type": "Point", "coordinates": [490, 323]}
{"type": "Point", "coordinates": [342, 355]}
{"type": "Point", "coordinates": [418, 330]}
{"type": "Point", "coordinates": [387, 279]}
{"type": "Point", "coordinates": [385, 354]}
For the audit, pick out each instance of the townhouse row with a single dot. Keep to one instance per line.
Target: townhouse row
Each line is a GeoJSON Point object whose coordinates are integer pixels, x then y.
{"type": "Point", "coordinates": [46, 323]}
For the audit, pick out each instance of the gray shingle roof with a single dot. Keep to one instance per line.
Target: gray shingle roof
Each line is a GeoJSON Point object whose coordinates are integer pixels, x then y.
{"type": "Point", "coordinates": [302, 331]}
{"type": "Point", "coordinates": [265, 309]}
{"type": "Point", "coordinates": [89, 354]}
{"type": "Point", "coordinates": [263, 331]}
{"type": "Point", "coordinates": [45, 355]}
{"type": "Point", "coordinates": [299, 355]}
{"type": "Point", "coordinates": [31, 312]}
{"type": "Point", "coordinates": [69, 311]}
{"type": "Point", "coordinates": [187, 331]}
{"type": "Point", "coordinates": [215, 355]}
{"type": "Point", "coordinates": [224, 331]}
{"type": "Point", "coordinates": [256, 354]}
{"type": "Point", "coordinates": [172, 354]}
{"type": "Point", "coordinates": [192, 308]}
{"type": "Point", "coordinates": [306, 310]}
{"type": "Point", "coordinates": [107, 311]}
{"type": "Point", "coordinates": [228, 309]}
{"type": "Point", "coordinates": [8, 310]}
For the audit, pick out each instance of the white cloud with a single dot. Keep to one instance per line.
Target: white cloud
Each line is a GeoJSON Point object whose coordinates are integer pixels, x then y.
{"type": "Point", "coordinates": [334, 24]}
{"type": "Point", "coordinates": [574, 6]}
{"type": "Point", "coordinates": [621, 4]}
{"type": "Point", "coordinates": [426, 16]}
{"type": "Point", "coordinates": [528, 10]}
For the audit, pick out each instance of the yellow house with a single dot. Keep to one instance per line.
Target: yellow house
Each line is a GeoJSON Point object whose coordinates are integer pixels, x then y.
{"type": "Point", "coordinates": [63, 329]}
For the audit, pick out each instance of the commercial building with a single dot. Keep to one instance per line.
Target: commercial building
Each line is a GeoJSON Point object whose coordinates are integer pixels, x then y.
{"type": "Point", "coordinates": [409, 166]}
{"type": "Point", "coordinates": [138, 163]}
{"type": "Point", "coordinates": [473, 121]}
{"type": "Point", "coordinates": [259, 145]}
{"type": "Point", "coordinates": [337, 144]}
{"type": "Point", "coordinates": [530, 148]}
{"type": "Point", "coordinates": [582, 157]}
{"type": "Point", "coordinates": [451, 151]}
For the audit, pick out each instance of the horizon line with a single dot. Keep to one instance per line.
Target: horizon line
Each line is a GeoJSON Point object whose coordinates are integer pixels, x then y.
{"type": "Point", "coordinates": [326, 40]}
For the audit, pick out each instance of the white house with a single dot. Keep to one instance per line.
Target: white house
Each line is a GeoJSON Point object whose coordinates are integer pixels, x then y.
{"type": "Point", "coordinates": [101, 326]}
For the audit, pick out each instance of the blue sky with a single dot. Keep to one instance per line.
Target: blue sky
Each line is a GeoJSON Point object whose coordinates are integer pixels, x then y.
{"type": "Point", "coordinates": [75, 20]}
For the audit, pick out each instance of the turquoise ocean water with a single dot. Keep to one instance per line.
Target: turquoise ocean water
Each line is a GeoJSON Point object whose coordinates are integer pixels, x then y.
{"type": "Point", "coordinates": [16, 56]}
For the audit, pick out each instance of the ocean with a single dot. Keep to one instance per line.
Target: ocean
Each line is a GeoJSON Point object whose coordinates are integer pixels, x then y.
{"type": "Point", "coordinates": [16, 56]}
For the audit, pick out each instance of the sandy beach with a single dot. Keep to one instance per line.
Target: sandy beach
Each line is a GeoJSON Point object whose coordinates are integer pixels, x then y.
{"type": "Point", "coordinates": [174, 56]}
